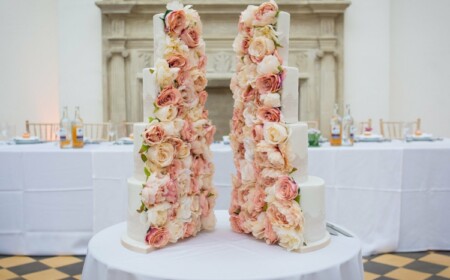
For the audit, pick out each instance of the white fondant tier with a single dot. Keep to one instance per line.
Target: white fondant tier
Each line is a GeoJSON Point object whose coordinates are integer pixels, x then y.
{"type": "Point", "coordinates": [312, 202]}
{"type": "Point", "coordinates": [283, 26]}
{"type": "Point", "coordinates": [150, 92]}
{"type": "Point", "coordinates": [159, 37]}
{"type": "Point", "coordinates": [289, 96]}
{"type": "Point", "coordinates": [135, 228]}
{"type": "Point", "coordinates": [298, 149]}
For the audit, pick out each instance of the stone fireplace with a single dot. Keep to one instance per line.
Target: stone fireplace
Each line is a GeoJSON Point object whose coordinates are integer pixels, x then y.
{"type": "Point", "coordinates": [316, 48]}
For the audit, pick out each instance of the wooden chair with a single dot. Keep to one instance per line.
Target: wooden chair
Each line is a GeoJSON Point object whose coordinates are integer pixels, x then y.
{"type": "Point", "coordinates": [313, 124]}
{"type": "Point", "coordinates": [45, 131]}
{"type": "Point", "coordinates": [96, 131]}
{"type": "Point", "coordinates": [395, 129]}
{"type": "Point", "coordinates": [126, 129]}
{"type": "Point", "coordinates": [364, 125]}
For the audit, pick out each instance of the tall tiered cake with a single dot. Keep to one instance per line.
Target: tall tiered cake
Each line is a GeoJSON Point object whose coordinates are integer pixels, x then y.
{"type": "Point", "coordinates": [273, 197]}
{"type": "Point", "coordinates": [171, 196]}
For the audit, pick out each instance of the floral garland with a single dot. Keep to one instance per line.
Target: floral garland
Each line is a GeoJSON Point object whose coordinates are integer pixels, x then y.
{"type": "Point", "coordinates": [178, 196]}
{"type": "Point", "coordinates": [265, 199]}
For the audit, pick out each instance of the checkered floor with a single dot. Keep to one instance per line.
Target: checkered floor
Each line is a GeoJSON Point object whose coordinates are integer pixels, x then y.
{"type": "Point", "coordinates": [408, 266]}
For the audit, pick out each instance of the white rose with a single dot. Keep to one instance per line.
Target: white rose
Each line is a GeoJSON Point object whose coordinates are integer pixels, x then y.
{"type": "Point", "coordinates": [157, 215]}
{"type": "Point", "coordinates": [237, 44]}
{"type": "Point", "coordinates": [248, 15]}
{"type": "Point", "coordinates": [184, 182]}
{"type": "Point", "coordinates": [271, 100]}
{"type": "Point", "coordinates": [270, 194]}
{"type": "Point", "coordinates": [161, 155]}
{"type": "Point", "coordinates": [289, 238]}
{"type": "Point", "coordinates": [247, 171]}
{"type": "Point", "coordinates": [209, 222]}
{"type": "Point", "coordinates": [176, 230]}
{"type": "Point", "coordinates": [250, 116]}
{"type": "Point", "coordinates": [261, 46]}
{"type": "Point", "coordinates": [169, 128]}
{"type": "Point", "coordinates": [249, 146]}
{"type": "Point", "coordinates": [174, 44]}
{"type": "Point", "coordinates": [275, 133]}
{"type": "Point", "coordinates": [258, 226]}
{"type": "Point", "coordinates": [184, 151]}
{"type": "Point", "coordinates": [185, 213]}
{"type": "Point", "coordinates": [192, 18]}
{"type": "Point", "coordinates": [151, 188]}
{"type": "Point", "coordinates": [167, 113]}
{"type": "Point", "coordinates": [197, 147]}
{"type": "Point", "coordinates": [274, 156]}
{"type": "Point", "coordinates": [198, 126]}
{"type": "Point", "coordinates": [187, 161]}
{"type": "Point", "coordinates": [269, 65]}
{"type": "Point", "coordinates": [164, 74]}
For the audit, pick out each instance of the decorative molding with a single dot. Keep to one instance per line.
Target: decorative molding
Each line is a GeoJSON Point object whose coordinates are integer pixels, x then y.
{"type": "Point", "coordinates": [315, 49]}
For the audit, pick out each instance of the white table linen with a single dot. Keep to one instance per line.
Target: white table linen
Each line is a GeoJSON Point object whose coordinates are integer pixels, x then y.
{"type": "Point", "coordinates": [394, 196]}
{"type": "Point", "coordinates": [221, 254]}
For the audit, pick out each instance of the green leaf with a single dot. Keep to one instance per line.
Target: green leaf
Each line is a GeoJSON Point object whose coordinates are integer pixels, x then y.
{"type": "Point", "coordinates": [277, 14]}
{"type": "Point", "coordinates": [237, 212]}
{"type": "Point", "coordinates": [210, 194]}
{"type": "Point", "coordinates": [144, 148]}
{"type": "Point", "coordinates": [164, 17]}
{"type": "Point", "coordinates": [147, 173]}
{"type": "Point", "coordinates": [304, 243]}
{"type": "Point", "coordinates": [280, 68]}
{"type": "Point", "coordinates": [156, 108]}
{"type": "Point", "coordinates": [151, 119]}
{"type": "Point", "coordinates": [265, 207]}
{"type": "Point", "coordinates": [297, 199]}
{"type": "Point", "coordinates": [152, 70]}
{"type": "Point", "coordinates": [142, 208]}
{"type": "Point", "coordinates": [143, 157]}
{"type": "Point", "coordinates": [293, 170]}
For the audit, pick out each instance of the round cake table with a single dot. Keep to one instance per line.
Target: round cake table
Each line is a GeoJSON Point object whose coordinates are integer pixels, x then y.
{"type": "Point", "coordinates": [220, 254]}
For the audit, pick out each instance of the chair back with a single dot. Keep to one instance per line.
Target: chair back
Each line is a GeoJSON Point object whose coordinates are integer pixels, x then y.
{"type": "Point", "coordinates": [45, 131]}
{"type": "Point", "coordinates": [96, 131]}
{"type": "Point", "coordinates": [364, 125]}
{"type": "Point", "coordinates": [398, 129]}
{"type": "Point", "coordinates": [126, 129]}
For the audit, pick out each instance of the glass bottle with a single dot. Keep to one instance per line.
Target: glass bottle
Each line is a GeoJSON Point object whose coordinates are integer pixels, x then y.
{"type": "Point", "coordinates": [348, 131]}
{"type": "Point", "coordinates": [65, 130]}
{"type": "Point", "coordinates": [336, 128]}
{"type": "Point", "coordinates": [77, 130]}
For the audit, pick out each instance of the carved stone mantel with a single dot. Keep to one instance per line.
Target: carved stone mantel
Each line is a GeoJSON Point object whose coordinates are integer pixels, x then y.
{"type": "Point", "coordinates": [316, 48]}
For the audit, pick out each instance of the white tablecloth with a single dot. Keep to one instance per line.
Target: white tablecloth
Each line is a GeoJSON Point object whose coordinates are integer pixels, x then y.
{"type": "Point", "coordinates": [394, 196]}
{"type": "Point", "coordinates": [221, 254]}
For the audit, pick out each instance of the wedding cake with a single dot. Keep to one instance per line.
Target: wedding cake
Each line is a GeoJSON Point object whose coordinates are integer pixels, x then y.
{"type": "Point", "coordinates": [171, 195]}
{"type": "Point", "coordinates": [273, 197]}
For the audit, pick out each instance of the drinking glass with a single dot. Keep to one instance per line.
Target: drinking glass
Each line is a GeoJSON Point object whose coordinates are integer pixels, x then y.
{"type": "Point", "coordinates": [112, 131]}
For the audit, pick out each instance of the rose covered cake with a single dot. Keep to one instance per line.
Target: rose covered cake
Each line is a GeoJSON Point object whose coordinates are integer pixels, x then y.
{"type": "Point", "coordinates": [171, 195]}
{"type": "Point", "coordinates": [273, 198]}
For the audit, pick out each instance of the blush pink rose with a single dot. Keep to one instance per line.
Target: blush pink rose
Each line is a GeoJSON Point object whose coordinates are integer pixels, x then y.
{"type": "Point", "coordinates": [184, 79]}
{"type": "Point", "coordinates": [209, 135]}
{"type": "Point", "coordinates": [249, 94]}
{"type": "Point", "coordinates": [270, 236]}
{"type": "Point", "coordinates": [269, 83]}
{"type": "Point", "coordinates": [266, 13]}
{"type": "Point", "coordinates": [175, 168]}
{"type": "Point", "coordinates": [202, 97]}
{"type": "Point", "coordinates": [194, 186]}
{"type": "Point", "coordinates": [177, 60]}
{"type": "Point", "coordinates": [286, 188]}
{"type": "Point", "coordinates": [236, 223]}
{"type": "Point", "coordinates": [153, 135]}
{"type": "Point", "coordinates": [267, 114]}
{"type": "Point", "coordinates": [202, 62]}
{"type": "Point", "coordinates": [157, 237]}
{"type": "Point", "coordinates": [189, 229]}
{"type": "Point", "coordinates": [205, 114]}
{"type": "Point", "coordinates": [204, 204]}
{"type": "Point", "coordinates": [171, 193]}
{"type": "Point", "coordinates": [176, 22]}
{"type": "Point", "coordinates": [258, 132]}
{"type": "Point", "coordinates": [258, 199]}
{"type": "Point", "coordinates": [168, 96]}
{"type": "Point", "coordinates": [190, 37]}
{"type": "Point", "coordinates": [198, 165]}
{"type": "Point", "coordinates": [200, 81]}
{"type": "Point", "coordinates": [188, 132]}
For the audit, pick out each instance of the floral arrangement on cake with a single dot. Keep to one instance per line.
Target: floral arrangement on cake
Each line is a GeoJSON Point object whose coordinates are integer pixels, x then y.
{"type": "Point", "coordinates": [178, 197]}
{"type": "Point", "coordinates": [265, 199]}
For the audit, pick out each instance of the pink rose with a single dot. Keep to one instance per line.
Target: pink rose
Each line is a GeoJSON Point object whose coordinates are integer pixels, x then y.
{"type": "Point", "coordinates": [175, 168]}
{"type": "Point", "coordinates": [202, 62]}
{"type": "Point", "coordinates": [198, 165]}
{"type": "Point", "coordinates": [249, 94]}
{"type": "Point", "coordinates": [168, 96]}
{"type": "Point", "coordinates": [209, 135]}
{"type": "Point", "coordinates": [266, 13]}
{"type": "Point", "coordinates": [205, 114]}
{"type": "Point", "coordinates": [177, 60]}
{"type": "Point", "coordinates": [204, 203]}
{"type": "Point", "coordinates": [286, 188]}
{"type": "Point", "coordinates": [189, 96]}
{"type": "Point", "coordinates": [188, 132]}
{"type": "Point", "coordinates": [236, 223]}
{"type": "Point", "coordinates": [153, 135]}
{"type": "Point", "coordinates": [184, 79]}
{"type": "Point", "coordinates": [267, 114]}
{"type": "Point", "coordinates": [257, 132]}
{"type": "Point", "coordinates": [202, 96]}
{"type": "Point", "coordinates": [189, 229]}
{"type": "Point", "coordinates": [171, 192]}
{"type": "Point", "coordinates": [286, 214]}
{"type": "Point", "coordinates": [258, 197]}
{"type": "Point", "coordinates": [157, 237]}
{"type": "Point", "coordinates": [200, 81]}
{"type": "Point", "coordinates": [194, 186]}
{"type": "Point", "coordinates": [190, 37]}
{"type": "Point", "coordinates": [269, 83]}
{"type": "Point", "coordinates": [270, 236]}
{"type": "Point", "coordinates": [176, 22]}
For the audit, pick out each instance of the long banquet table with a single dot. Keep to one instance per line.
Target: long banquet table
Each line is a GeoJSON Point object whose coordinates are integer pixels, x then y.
{"type": "Point", "coordinates": [394, 196]}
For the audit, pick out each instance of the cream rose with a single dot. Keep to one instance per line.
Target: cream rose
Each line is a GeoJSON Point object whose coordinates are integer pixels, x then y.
{"type": "Point", "coordinates": [258, 226]}
{"type": "Point", "coordinates": [162, 154]}
{"type": "Point", "coordinates": [209, 222]}
{"type": "Point", "coordinates": [167, 113]}
{"type": "Point", "coordinates": [247, 170]}
{"type": "Point", "coordinates": [165, 76]}
{"type": "Point", "coordinates": [269, 65]}
{"type": "Point", "coordinates": [290, 239]}
{"type": "Point", "coordinates": [248, 15]}
{"type": "Point", "coordinates": [240, 44]}
{"type": "Point", "coordinates": [184, 212]}
{"type": "Point", "coordinates": [271, 100]}
{"type": "Point", "coordinates": [275, 133]}
{"type": "Point", "coordinates": [154, 134]}
{"type": "Point", "coordinates": [260, 47]}
{"type": "Point", "coordinates": [157, 215]}
{"type": "Point", "coordinates": [175, 229]}
{"type": "Point", "coordinates": [266, 14]}
{"type": "Point", "coordinates": [199, 79]}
